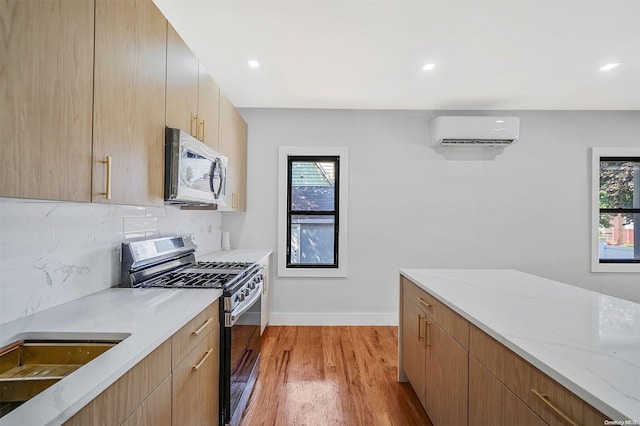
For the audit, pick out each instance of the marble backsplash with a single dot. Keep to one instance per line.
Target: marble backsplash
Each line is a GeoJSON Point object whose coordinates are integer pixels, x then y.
{"type": "Point", "coordinates": [54, 252]}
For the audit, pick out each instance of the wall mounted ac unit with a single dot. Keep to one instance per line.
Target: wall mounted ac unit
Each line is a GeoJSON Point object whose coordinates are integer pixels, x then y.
{"type": "Point", "coordinates": [465, 131]}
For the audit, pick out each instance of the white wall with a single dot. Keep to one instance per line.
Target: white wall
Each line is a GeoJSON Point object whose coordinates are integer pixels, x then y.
{"type": "Point", "coordinates": [54, 252]}
{"type": "Point", "coordinates": [409, 207]}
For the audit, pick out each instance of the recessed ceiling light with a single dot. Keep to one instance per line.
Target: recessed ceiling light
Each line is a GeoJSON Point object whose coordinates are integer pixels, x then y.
{"type": "Point", "coordinates": [254, 64]}
{"type": "Point", "coordinates": [609, 67]}
{"type": "Point", "coordinates": [428, 67]}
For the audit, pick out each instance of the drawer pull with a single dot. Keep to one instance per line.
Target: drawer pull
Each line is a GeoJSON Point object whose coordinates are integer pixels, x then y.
{"type": "Point", "coordinates": [420, 327]}
{"type": "Point", "coordinates": [426, 305]}
{"type": "Point", "coordinates": [549, 404]}
{"type": "Point", "coordinates": [427, 340]}
{"type": "Point", "coordinates": [204, 358]}
{"type": "Point", "coordinates": [198, 331]}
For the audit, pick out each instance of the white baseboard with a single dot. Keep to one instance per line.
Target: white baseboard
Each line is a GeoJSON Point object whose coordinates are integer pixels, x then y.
{"type": "Point", "coordinates": [366, 318]}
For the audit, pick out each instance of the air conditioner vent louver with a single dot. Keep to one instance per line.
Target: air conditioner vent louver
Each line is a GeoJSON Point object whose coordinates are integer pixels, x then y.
{"type": "Point", "coordinates": [481, 132]}
{"type": "Point", "coordinates": [484, 142]}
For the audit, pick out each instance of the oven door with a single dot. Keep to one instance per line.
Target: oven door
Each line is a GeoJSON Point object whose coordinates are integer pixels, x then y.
{"type": "Point", "coordinates": [195, 173]}
{"type": "Point", "coordinates": [241, 355]}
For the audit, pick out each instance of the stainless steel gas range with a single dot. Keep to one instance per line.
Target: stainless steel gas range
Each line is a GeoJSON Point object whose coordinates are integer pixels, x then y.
{"type": "Point", "coordinates": [170, 263]}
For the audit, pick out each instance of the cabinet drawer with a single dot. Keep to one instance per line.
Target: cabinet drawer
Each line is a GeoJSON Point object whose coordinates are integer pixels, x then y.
{"type": "Point", "coordinates": [155, 410]}
{"type": "Point", "coordinates": [442, 315]}
{"type": "Point", "coordinates": [488, 351]}
{"type": "Point", "coordinates": [193, 332]}
{"type": "Point", "coordinates": [546, 397]}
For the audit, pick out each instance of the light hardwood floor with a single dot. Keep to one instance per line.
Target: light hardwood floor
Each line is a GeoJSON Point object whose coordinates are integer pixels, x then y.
{"type": "Point", "coordinates": [331, 376]}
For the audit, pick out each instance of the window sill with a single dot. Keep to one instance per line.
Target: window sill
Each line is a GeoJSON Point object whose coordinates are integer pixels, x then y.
{"type": "Point", "coordinates": [312, 272]}
{"type": "Point", "coordinates": [615, 267]}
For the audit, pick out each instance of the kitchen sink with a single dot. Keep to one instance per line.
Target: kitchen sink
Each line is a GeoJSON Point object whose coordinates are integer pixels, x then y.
{"type": "Point", "coordinates": [27, 367]}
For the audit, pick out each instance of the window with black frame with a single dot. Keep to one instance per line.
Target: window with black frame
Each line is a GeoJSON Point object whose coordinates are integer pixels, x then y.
{"type": "Point", "coordinates": [313, 211]}
{"type": "Point", "coordinates": [619, 210]}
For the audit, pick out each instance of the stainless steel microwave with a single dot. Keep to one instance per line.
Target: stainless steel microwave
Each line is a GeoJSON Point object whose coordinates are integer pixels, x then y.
{"type": "Point", "coordinates": [195, 174]}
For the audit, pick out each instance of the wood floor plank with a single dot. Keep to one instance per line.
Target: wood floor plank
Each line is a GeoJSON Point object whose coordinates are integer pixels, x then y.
{"type": "Point", "coordinates": [331, 376]}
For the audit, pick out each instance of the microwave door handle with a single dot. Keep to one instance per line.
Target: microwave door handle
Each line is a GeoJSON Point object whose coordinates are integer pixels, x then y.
{"type": "Point", "coordinates": [212, 174]}
{"type": "Point", "coordinates": [216, 166]}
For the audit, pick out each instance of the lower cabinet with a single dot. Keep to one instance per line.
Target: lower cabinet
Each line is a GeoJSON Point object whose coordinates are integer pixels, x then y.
{"type": "Point", "coordinates": [195, 384]}
{"type": "Point", "coordinates": [530, 396]}
{"type": "Point", "coordinates": [463, 376]}
{"type": "Point", "coordinates": [491, 403]}
{"type": "Point", "coordinates": [131, 392]}
{"type": "Point", "coordinates": [155, 410]}
{"type": "Point", "coordinates": [177, 384]}
{"type": "Point", "coordinates": [446, 387]}
{"type": "Point", "coordinates": [434, 361]}
{"type": "Point", "coordinates": [414, 351]}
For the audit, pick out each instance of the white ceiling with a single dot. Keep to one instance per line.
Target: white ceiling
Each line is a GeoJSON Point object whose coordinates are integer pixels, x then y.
{"type": "Point", "coordinates": [489, 54]}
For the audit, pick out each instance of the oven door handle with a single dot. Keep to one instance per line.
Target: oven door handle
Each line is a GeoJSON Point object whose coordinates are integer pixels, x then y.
{"type": "Point", "coordinates": [236, 313]}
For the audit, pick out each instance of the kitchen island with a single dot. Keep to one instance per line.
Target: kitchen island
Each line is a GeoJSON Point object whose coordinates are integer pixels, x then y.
{"type": "Point", "coordinates": [587, 342]}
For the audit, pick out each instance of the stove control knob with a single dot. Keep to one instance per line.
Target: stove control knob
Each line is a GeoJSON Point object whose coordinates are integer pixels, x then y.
{"type": "Point", "coordinates": [241, 297]}
{"type": "Point", "coordinates": [252, 285]}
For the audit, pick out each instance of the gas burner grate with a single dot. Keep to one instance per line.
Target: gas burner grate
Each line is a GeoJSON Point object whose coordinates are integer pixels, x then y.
{"type": "Point", "coordinates": [221, 265]}
{"type": "Point", "coordinates": [183, 280]}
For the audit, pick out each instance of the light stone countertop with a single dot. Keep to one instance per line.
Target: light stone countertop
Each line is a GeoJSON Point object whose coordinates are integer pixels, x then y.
{"type": "Point", "coordinates": [587, 341]}
{"type": "Point", "coordinates": [145, 318]}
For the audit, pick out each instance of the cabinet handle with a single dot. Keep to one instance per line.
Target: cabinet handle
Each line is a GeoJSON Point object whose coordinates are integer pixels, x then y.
{"type": "Point", "coordinates": [202, 123]}
{"type": "Point", "coordinates": [194, 118]}
{"type": "Point", "coordinates": [419, 327]}
{"type": "Point", "coordinates": [204, 358]}
{"type": "Point", "coordinates": [545, 399]}
{"type": "Point", "coordinates": [107, 192]}
{"type": "Point", "coordinates": [426, 305]}
{"type": "Point", "coordinates": [427, 335]}
{"type": "Point", "coordinates": [202, 327]}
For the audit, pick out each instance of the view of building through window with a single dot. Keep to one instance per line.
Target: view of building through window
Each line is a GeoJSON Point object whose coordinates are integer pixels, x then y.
{"type": "Point", "coordinates": [312, 217]}
{"type": "Point", "coordinates": [619, 199]}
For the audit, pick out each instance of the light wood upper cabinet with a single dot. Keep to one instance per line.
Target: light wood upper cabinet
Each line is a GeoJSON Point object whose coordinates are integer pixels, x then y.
{"type": "Point", "coordinates": [129, 102]}
{"type": "Point", "coordinates": [182, 84]}
{"type": "Point", "coordinates": [233, 144]}
{"type": "Point", "coordinates": [192, 94]}
{"type": "Point", "coordinates": [208, 109]}
{"type": "Point", "coordinates": [46, 84]}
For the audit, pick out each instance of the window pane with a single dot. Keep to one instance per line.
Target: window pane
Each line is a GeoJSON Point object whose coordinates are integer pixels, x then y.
{"type": "Point", "coordinates": [618, 180]}
{"type": "Point", "coordinates": [616, 235]}
{"type": "Point", "coordinates": [312, 239]}
{"type": "Point", "coordinates": [312, 186]}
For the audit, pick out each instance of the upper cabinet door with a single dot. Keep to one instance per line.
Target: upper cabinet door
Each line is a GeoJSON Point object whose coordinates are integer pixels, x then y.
{"type": "Point", "coordinates": [129, 103]}
{"type": "Point", "coordinates": [46, 97]}
{"type": "Point", "coordinates": [182, 84]}
{"type": "Point", "coordinates": [233, 144]}
{"type": "Point", "coordinates": [208, 109]}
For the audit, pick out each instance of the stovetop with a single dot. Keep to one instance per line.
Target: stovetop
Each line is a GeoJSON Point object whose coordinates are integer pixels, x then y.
{"type": "Point", "coordinates": [203, 275]}
{"type": "Point", "coordinates": [170, 262]}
